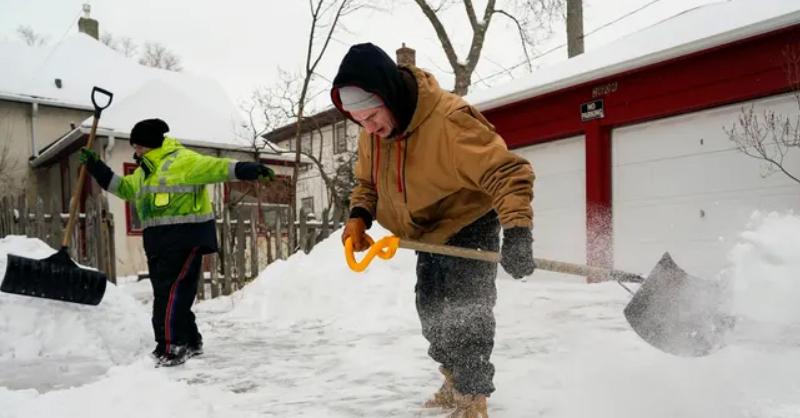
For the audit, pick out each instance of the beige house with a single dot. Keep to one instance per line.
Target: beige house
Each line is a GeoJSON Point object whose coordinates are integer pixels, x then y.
{"type": "Point", "coordinates": [330, 139]}
{"type": "Point", "coordinates": [46, 115]}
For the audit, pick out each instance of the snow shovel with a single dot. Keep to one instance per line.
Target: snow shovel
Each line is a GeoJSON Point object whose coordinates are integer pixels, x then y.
{"type": "Point", "coordinates": [58, 277]}
{"type": "Point", "coordinates": [672, 311]}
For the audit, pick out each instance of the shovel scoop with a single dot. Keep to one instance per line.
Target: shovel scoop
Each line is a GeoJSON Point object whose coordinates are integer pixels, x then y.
{"type": "Point", "coordinates": [678, 313]}
{"type": "Point", "coordinates": [672, 311]}
{"type": "Point", "coordinates": [55, 277]}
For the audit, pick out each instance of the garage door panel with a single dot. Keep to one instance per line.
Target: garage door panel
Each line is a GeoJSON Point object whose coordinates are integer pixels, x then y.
{"type": "Point", "coordinates": [691, 134]}
{"type": "Point", "coordinates": [729, 171]}
{"type": "Point", "coordinates": [559, 198]}
{"type": "Point", "coordinates": [692, 204]}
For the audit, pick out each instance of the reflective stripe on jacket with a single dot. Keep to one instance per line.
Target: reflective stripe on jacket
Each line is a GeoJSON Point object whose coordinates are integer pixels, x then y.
{"type": "Point", "coordinates": [168, 188]}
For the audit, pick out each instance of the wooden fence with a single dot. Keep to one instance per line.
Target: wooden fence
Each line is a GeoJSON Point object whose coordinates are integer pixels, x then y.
{"type": "Point", "coordinates": [244, 250]}
{"type": "Point", "coordinates": [248, 244]}
{"type": "Point", "coordinates": [92, 242]}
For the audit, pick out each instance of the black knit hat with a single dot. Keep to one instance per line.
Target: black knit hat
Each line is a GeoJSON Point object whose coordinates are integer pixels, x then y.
{"type": "Point", "coordinates": [149, 133]}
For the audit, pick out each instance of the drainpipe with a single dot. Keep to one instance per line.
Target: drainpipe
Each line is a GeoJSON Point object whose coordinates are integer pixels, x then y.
{"type": "Point", "coordinates": [34, 117]}
{"type": "Point", "coordinates": [110, 146]}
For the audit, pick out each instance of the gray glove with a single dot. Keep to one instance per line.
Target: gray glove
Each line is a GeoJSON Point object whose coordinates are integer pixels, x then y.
{"type": "Point", "coordinates": [516, 256]}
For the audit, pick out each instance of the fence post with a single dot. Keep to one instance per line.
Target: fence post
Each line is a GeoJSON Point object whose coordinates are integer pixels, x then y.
{"type": "Point", "coordinates": [303, 233]}
{"type": "Point", "coordinates": [326, 227]}
{"type": "Point", "coordinates": [106, 243]}
{"type": "Point", "coordinates": [241, 248]}
{"type": "Point", "coordinates": [269, 235]}
{"type": "Point", "coordinates": [254, 266]}
{"type": "Point", "coordinates": [4, 229]}
{"type": "Point", "coordinates": [227, 261]}
{"type": "Point", "coordinates": [23, 215]}
{"type": "Point", "coordinates": [278, 237]}
{"type": "Point", "coordinates": [214, 279]}
{"type": "Point", "coordinates": [89, 235]}
{"type": "Point", "coordinates": [56, 229]}
{"type": "Point", "coordinates": [39, 221]}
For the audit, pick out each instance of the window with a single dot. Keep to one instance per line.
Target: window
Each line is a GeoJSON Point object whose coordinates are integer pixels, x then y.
{"type": "Point", "coordinates": [308, 143]}
{"type": "Point", "coordinates": [340, 137]}
{"type": "Point", "coordinates": [132, 221]}
{"type": "Point", "coordinates": [307, 203]}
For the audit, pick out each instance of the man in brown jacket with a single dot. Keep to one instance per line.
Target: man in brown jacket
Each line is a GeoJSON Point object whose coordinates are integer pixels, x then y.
{"type": "Point", "coordinates": [431, 168]}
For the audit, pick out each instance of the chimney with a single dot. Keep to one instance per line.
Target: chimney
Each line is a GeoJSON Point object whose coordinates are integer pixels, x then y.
{"type": "Point", "coordinates": [88, 25]}
{"type": "Point", "coordinates": [406, 56]}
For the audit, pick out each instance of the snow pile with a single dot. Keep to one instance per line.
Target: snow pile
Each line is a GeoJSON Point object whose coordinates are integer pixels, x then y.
{"type": "Point", "coordinates": [320, 285]}
{"type": "Point", "coordinates": [43, 333]}
{"type": "Point", "coordinates": [134, 391]}
{"type": "Point", "coordinates": [765, 274]}
{"type": "Point", "coordinates": [310, 338]}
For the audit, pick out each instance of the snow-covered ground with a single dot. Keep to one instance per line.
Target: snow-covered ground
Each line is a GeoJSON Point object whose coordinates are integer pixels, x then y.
{"type": "Point", "coordinates": [309, 338]}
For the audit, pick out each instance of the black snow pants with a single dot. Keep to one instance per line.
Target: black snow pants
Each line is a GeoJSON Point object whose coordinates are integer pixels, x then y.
{"type": "Point", "coordinates": [174, 276]}
{"type": "Point", "coordinates": [455, 302]}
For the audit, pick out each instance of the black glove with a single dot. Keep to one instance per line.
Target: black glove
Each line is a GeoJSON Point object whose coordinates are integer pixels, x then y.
{"type": "Point", "coordinates": [253, 171]}
{"type": "Point", "coordinates": [516, 257]}
{"type": "Point", "coordinates": [96, 167]}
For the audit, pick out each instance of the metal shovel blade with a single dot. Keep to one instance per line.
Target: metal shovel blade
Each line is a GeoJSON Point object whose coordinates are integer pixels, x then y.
{"type": "Point", "coordinates": [55, 277]}
{"type": "Point", "coordinates": [677, 313]}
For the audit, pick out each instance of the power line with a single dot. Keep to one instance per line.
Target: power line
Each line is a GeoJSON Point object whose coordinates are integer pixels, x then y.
{"type": "Point", "coordinates": [557, 47]}
{"type": "Point", "coordinates": [620, 18]}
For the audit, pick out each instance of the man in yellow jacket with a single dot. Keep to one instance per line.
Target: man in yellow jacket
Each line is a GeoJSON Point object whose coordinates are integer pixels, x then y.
{"type": "Point", "coordinates": [431, 168]}
{"type": "Point", "coordinates": [173, 204]}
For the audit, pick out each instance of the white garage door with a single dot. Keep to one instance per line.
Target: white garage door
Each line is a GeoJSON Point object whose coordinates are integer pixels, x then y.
{"type": "Point", "coordinates": [559, 203]}
{"type": "Point", "coordinates": [680, 185]}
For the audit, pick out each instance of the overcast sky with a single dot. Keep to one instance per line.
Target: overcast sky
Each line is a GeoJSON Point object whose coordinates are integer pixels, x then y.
{"type": "Point", "coordinates": [242, 43]}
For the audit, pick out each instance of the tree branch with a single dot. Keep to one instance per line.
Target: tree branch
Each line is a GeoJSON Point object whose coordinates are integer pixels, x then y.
{"type": "Point", "coordinates": [522, 36]}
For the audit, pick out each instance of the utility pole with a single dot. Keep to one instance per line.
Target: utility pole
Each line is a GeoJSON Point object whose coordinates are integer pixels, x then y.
{"type": "Point", "coordinates": [574, 27]}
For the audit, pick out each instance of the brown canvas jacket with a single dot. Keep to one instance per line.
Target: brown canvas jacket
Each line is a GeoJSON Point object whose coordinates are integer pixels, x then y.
{"type": "Point", "coordinates": [448, 169]}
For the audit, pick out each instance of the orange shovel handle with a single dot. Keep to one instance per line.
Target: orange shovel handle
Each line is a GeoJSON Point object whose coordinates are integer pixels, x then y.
{"type": "Point", "coordinates": [384, 248]}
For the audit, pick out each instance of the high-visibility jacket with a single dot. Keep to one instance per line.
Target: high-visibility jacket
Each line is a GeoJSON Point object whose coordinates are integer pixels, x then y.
{"type": "Point", "coordinates": [170, 195]}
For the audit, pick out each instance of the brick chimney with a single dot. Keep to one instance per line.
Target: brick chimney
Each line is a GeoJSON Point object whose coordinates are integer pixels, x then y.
{"type": "Point", "coordinates": [88, 25]}
{"type": "Point", "coordinates": [406, 56]}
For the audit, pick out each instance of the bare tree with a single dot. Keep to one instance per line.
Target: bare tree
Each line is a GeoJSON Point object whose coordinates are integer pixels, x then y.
{"type": "Point", "coordinates": [325, 15]}
{"type": "Point", "coordinates": [528, 16]}
{"type": "Point", "coordinates": [157, 55]}
{"type": "Point", "coordinates": [30, 36]}
{"type": "Point", "coordinates": [771, 136]}
{"type": "Point", "coordinates": [123, 45]}
{"type": "Point", "coordinates": [275, 107]}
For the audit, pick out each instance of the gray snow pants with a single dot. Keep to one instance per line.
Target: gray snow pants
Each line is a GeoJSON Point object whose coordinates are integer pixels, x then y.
{"type": "Point", "coordinates": [455, 298]}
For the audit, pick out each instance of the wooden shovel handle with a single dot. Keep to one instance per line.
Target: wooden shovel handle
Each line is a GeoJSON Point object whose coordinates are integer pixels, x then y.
{"type": "Point", "coordinates": [73, 203]}
{"type": "Point", "coordinates": [541, 263]}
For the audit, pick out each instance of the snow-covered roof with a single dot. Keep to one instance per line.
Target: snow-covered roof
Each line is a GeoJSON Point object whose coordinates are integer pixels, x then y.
{"type": "Point", "coordinates": [197, 108]}
{"type": "Point", "coordinates": [694, 30]}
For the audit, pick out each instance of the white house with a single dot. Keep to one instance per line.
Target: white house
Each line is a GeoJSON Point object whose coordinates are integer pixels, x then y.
{"type": "Point", "coordinates": [198, 111]}
{"type": "Point", "coordinates": [332, 140]}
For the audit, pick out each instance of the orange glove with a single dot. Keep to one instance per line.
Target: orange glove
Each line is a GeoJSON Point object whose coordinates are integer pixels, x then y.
{"type": "Point", "coordinates": [354, 228]}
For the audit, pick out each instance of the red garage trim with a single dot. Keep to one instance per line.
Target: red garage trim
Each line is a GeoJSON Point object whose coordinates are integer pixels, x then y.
{"type": "Point", "coordinates": [732, 73]}
{"type": "Point", "coordinates": [599, 225]}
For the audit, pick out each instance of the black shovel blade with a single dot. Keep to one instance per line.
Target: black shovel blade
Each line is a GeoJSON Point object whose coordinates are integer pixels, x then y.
{"type": "Point", "coordinates": [677, 313]}
{"type": "Point", "coordinates": [55, 277]}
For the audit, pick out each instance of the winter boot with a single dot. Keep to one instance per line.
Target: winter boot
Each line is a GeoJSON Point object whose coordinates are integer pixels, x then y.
{"type": "Point", "coordinates": [195, 349]}
{"type": "Point", "coordinates": [176, 355]}
{"type": "Point", "coordinates": [469, 406]}
{"type": "Point", "coordinates": [157, 352]}
{"type": "Point", "coordinates": [443, 398]}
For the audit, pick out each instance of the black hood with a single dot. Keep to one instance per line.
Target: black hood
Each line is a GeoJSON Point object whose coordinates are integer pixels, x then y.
{"type": "Point", "coordinates": [368, 67]}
